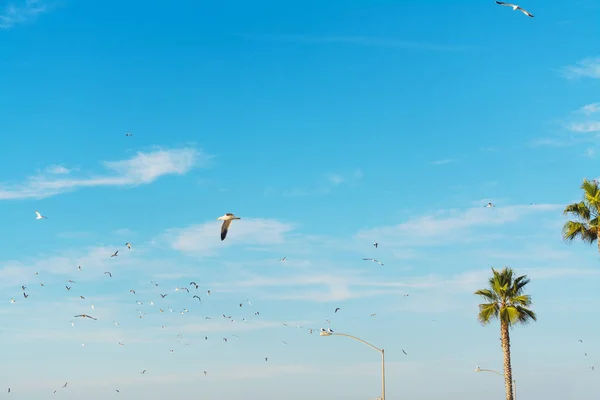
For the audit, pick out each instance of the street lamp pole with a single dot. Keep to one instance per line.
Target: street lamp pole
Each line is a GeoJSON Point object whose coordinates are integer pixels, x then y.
{"type": "Point", "coordinates": [501, 374]}
{"type": "Point", "coordinates": [381, 351]}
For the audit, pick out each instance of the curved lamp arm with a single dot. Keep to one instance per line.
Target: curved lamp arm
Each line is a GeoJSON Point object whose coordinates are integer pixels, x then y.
{"type": "Point", "coordinates": [488, 370]}
{"type": "Point", "coordinates": [358, 339]}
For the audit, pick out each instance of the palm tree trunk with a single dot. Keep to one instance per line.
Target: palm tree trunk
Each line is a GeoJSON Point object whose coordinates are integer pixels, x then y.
{"type": "Point", "coordinates": [598, 240]}
{"type": "Point", "coordinates": [508, 382]}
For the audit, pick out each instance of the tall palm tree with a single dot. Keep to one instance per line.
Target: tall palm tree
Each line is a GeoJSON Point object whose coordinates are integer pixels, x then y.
{"type": "Point", "coordinates": [586, 212]}
{"type": "Point", "coordinates": [506, 302]}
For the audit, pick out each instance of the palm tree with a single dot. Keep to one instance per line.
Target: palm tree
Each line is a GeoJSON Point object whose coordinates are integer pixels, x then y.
{"type": "Point", "coordinates": [506, 302]}
{"type": "Point", "coordinates": [586, 212]}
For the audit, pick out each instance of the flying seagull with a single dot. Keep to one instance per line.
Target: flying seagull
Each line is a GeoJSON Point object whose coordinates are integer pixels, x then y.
{"type": "Point", "coordinates": [489, 205]}
{"type": "Point", "coordinates": [163, 295]}
{"type": "Point", "coordinates": [197, 297]}
{"type": "Point", "coordinates": [194, 284]}
{"type": "Point", "coordinates": [128, 245]}
{"type": "Point", "coordinates": [376, 244]}
{"type": "Point", "coordinates": [404, 352]}
{"type": "Point", "coordinates": [374, 260]}
{"type": "Point", "coordinates": [336, 310]}
{"type": "Point", "coordinates": [85, 316]}
{"type": "Point", "coordinates": [108, 273]}
{"type": "Point", "coordinates": [39, 216]}
{"type": "Point", "coordinates": [227, 218]}
{"type": "Point", "coordinates": [283, 259]}
{"type": "Point", "coordinates": [115, 253]}
{"type": "Point", "coordinates": [514, 7]}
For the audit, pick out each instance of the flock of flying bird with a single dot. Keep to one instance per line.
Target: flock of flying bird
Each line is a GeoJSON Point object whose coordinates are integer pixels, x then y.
{"type": "Point", "coordinates": [227, 219]}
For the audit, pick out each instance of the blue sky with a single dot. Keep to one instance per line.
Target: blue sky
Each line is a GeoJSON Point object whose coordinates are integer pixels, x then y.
{"type": "Point", "coordinates": [326, 126]}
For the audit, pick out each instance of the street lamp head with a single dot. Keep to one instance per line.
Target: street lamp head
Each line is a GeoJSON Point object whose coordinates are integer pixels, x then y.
{"type": "Point", "coordinates": [477, 369]}
{"type": "Point", "coordinates": [324, 332]}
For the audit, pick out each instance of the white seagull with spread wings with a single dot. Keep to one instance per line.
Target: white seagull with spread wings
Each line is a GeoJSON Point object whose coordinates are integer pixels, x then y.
{"type": "Point", "coordinates": [374, 260]}
{"type": "Point", "coordinates": [515, 8]}
{"type": "Point", "coordinates": [39, 216]}
{"type": "Point", "coordinates": [227, 218]}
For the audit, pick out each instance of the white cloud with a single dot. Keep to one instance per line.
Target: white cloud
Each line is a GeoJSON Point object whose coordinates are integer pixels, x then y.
{"type": "Point", "coordinates": [364, 41]}
{"type": "Point", "coordinates": [20, 12]}
{"type": "Point", "coordinates": [322, 288]}
{"type": "Point", "coordinates": [335, 179]}
{"type": "Point", "coordinates": [549, 142]}
{"type": "Point", "coordinates": [442, 162]}
{"type": "Point", "coordinates": [589, 109]}
{"type": "Point", "coordinates": [472, 280]}
{"type": "Point", "coordinates": [57, 169]}
{"type": "Point", "coordinates": [585, 68]}
{"type": "Point", "coordinates": [141, 169]}
{"type": "Point", "coordinates": [450, 226]}
{"type": "Point", "coordinates": [326, 184]}
{"type": "Point", "coordinates": [585, 127]}
{"type": "Point", "coordinates": [204, 239]}
{"type": "Point", "coordinates": [590, 152]}
{"type": "Point", "coordinates": [212, 326]}
{"type": "Point", "coordinates": [59, 266]}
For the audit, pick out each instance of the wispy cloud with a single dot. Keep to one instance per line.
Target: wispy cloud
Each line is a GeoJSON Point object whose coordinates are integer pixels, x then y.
{"type": "Point", "coordinates": [337, 179]}
{"type": "Point", "coordinates": [450, 226]}
{"type": "Point", "coordinates": [323, 287]}
{"type": "Point", "coordinates": [57, 169]}
{"type": "Point", "coordinates": [204, 239]}
{"type": "Point", "coordinates": [19, 12]}
{"type": "Point", "coordinates": [443, 161]}
{"type": "Point", "coordinates": [550, 142]}
{"type": "Point", "coordinates": [589, 109]}
{"type": "Point", "coordinates": [584, 127]}
{"type": "Point", "coordinates": [211, 326]}
{"type": "Point", "coordinates": [590, 152]}
{"type": "Point", "coordinates": [586, 68]}
{"type": "Point", "coordinates": [363, 41]}
{"type": "Point", "coordinates": [326, 184]}
{"type": "Point", "coordinates": [141, 169]}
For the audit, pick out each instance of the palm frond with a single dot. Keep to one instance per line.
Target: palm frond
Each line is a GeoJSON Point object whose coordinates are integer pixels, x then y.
{"type": "Point", "coordinates": [487, 295]}
{"type": "Point", "coordinates": [526, 315]}
{"type": "Point", "coordinates": [591, 194]}
{"type": "Point", "coordinates": [573, 230]}
{"type": "Point", "coordinates": [580, 210]}
{"type": "Point", "coordinates": [522, 300]}
{"type": "Point", "coordinates": [487, 312]}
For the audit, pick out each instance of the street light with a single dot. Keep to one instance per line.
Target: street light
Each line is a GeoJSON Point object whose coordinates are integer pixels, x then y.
{"type": "Point", "coordinates": [329, 332]}
{"type": "Point", "coordinates": [502, 375]}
